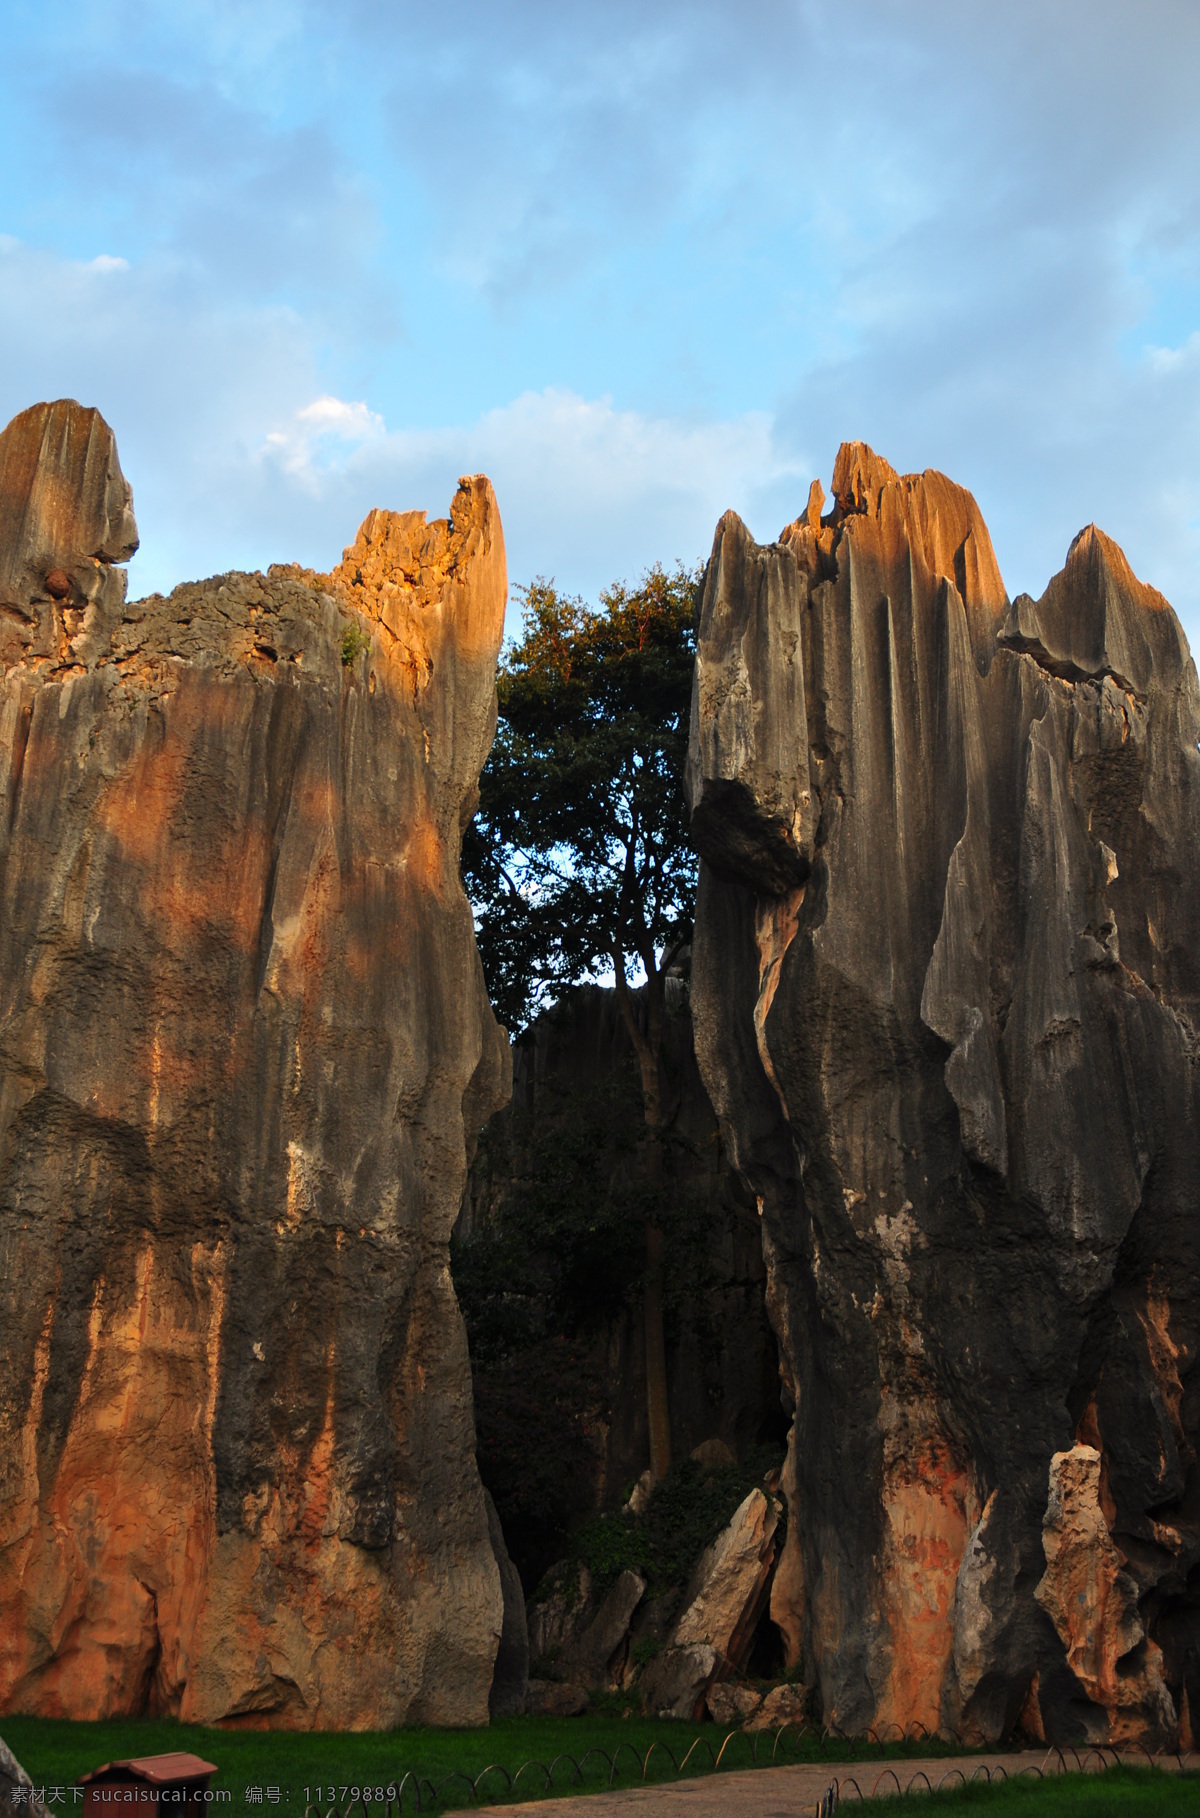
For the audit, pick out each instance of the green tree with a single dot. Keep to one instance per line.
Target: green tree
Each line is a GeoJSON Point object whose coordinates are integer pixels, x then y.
{"type": "Point", "coordinates": [578, 860]}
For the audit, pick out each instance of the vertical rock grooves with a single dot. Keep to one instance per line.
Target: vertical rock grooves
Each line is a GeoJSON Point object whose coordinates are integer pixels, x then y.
{"type": "Point", "coordinates": [947, 1001]}
{"type": "Point", "coordinates": [244, 1049]}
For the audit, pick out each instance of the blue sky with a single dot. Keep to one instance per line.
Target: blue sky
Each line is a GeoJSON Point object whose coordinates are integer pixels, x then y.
{"type": "Point", "coordinates": [639, 262]}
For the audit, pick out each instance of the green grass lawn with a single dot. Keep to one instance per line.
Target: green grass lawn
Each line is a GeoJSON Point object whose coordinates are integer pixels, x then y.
{"type": "Point", "coordinates": [55, 1752]}
{"type": "Point", "coordinates": [324, 1769]}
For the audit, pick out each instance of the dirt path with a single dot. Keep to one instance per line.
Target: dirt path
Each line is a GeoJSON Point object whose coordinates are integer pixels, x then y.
{"type": "Point", "coordinates": [791, 1792]}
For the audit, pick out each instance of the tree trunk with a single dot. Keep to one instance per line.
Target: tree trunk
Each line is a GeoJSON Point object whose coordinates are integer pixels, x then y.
{"type": "Point", "coordinates": [648, 1048]}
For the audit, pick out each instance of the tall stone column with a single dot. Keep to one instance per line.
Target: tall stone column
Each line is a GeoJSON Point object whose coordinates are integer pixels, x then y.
{"type": "Point", "coordinates": [946, 985]}
{"type": "Point", "coordinates": [245, 1049]}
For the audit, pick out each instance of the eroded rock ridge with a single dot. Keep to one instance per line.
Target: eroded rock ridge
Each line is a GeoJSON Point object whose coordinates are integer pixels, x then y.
{"type": "Point", "coordinates": [245, 1048]}
{"type": "Point", "coordinates": [947, 999]}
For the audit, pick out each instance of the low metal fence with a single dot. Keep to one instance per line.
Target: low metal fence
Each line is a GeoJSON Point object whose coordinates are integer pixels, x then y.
{"type": "Point", "coordinates": [417, 1792]}
{"type": "Point", "coordinates": [1096, 1759]}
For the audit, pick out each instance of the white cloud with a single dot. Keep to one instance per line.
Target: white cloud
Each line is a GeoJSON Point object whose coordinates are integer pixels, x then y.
{"type": "Point", "coordinates": [1171, 360]}
{"type": "Point", "coordinates": [319, 434]}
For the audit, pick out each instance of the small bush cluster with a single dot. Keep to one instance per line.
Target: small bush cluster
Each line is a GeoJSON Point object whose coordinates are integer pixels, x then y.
{"type": "Point", "coordinates": [354, 642]}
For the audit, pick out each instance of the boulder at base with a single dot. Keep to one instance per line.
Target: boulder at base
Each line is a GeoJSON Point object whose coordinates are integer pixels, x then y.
{"type": "Point", "coordinates": [728, 1589]}
{"type": "Point", "coordinates": [675, 1682]}
{"type": "Point", "coordinates": [732, 1705]}
{"type": "Point", "coordinates": [556, 1698]}
{"type": "Point", "coordinates": [557, 1619]}
{"type": "Point", "coordinates": [946, 988]}
{"type": "Point", "coordinates": [782, 1705]}
{"type": "Point", "coordinates": [245, 1049]}
{"type": "Point", "coordinates": [590, 1657]}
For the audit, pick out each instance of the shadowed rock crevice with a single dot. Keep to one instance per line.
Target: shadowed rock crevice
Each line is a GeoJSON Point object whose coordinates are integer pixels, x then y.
{"type": "Point", "coordinates": [245, 1050]}
{"type": "Point", "coordinates": [946, 981]}
{"type": "Point", "coordinates": [548, 1267]}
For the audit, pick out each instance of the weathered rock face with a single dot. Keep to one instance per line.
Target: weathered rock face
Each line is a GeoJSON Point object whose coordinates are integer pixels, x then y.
{"type": "Point", "coordinates": [510, 1677]}
{"type": "Point", "coordinates": [731, 1705]}
{"type": "Point", "coordinates": [244, 1048]}
{"type": "Point", "coordinates": [728, 1589]}
{"type": "Point", "coordinates": [556, 1623]}
{"type": "Point", "coordinates": [783, 1704]}
{"type": "Point", "coordinates": [947, 997]}
{"type": "Point", "coordinates": [589, 1659]}
{"type": "Point", "coordinates": [675, 1682]}
{"type": "Point", "coordinates": [556, 1698]}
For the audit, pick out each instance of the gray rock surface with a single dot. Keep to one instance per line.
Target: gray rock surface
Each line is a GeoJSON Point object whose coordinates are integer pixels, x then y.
{"type": "Point", "coordinates": [558, 1618]}
{"type": "Point", "coordinates": [712, 1455]}
{"type": "Point", "coordinates": [675, 1682]}
{"type": "Point", "coordinates": [245, 1049]}
{"type": "Point", "coordinates": [654, 1617]}
{"type": "Point", "coordinates": [783, 1704]}
{"type": "Point", "coordinates": [642, 1491]}
{"type": "Point", "coordinates": [946, 986]}
{"type": "Point", "coordinates": [732, 1705]}
{"type": "Point", "coordinates": [590, 1656]}
{"type": "Point", "coordinates": [727, 1592]}
{"type": "Point", "coordinates": [510, 1675]}
{"type": "Point", "coordinates": [556, 1698]}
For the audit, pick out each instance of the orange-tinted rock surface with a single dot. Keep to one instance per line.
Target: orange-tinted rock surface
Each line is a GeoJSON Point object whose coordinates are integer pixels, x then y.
{"type": "Point", "coordinates": [947, 998]}
{"type": "Point", "coordinates": [244, 1049]}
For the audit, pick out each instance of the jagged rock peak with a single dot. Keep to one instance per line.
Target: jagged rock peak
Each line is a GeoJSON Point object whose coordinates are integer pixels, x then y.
{"type": "Point", "coordinates": [245, 1052]}
{"type": "Point", "coordinates": [885, 512]}
{"type": "Point", "coordinates": [399, 566]}
{"type": "Point", "coordinates": [859, 476]}
{"type": "Point", "coordinates": [907, 543]}
{"type": "Point", "coordinates": [946, 987]}
{"type": "Point", "coordinates": [1096, 619]}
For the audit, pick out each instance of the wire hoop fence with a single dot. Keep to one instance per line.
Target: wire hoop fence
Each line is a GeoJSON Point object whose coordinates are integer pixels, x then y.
{"type": "Point", "coordinates": [1097, 1758]}
{"type": "Point", "coordinates": [416, 1792]}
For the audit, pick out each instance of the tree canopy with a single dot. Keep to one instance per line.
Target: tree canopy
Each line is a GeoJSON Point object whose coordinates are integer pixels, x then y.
{"type": "Point", "coordinates": [578, 859]}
